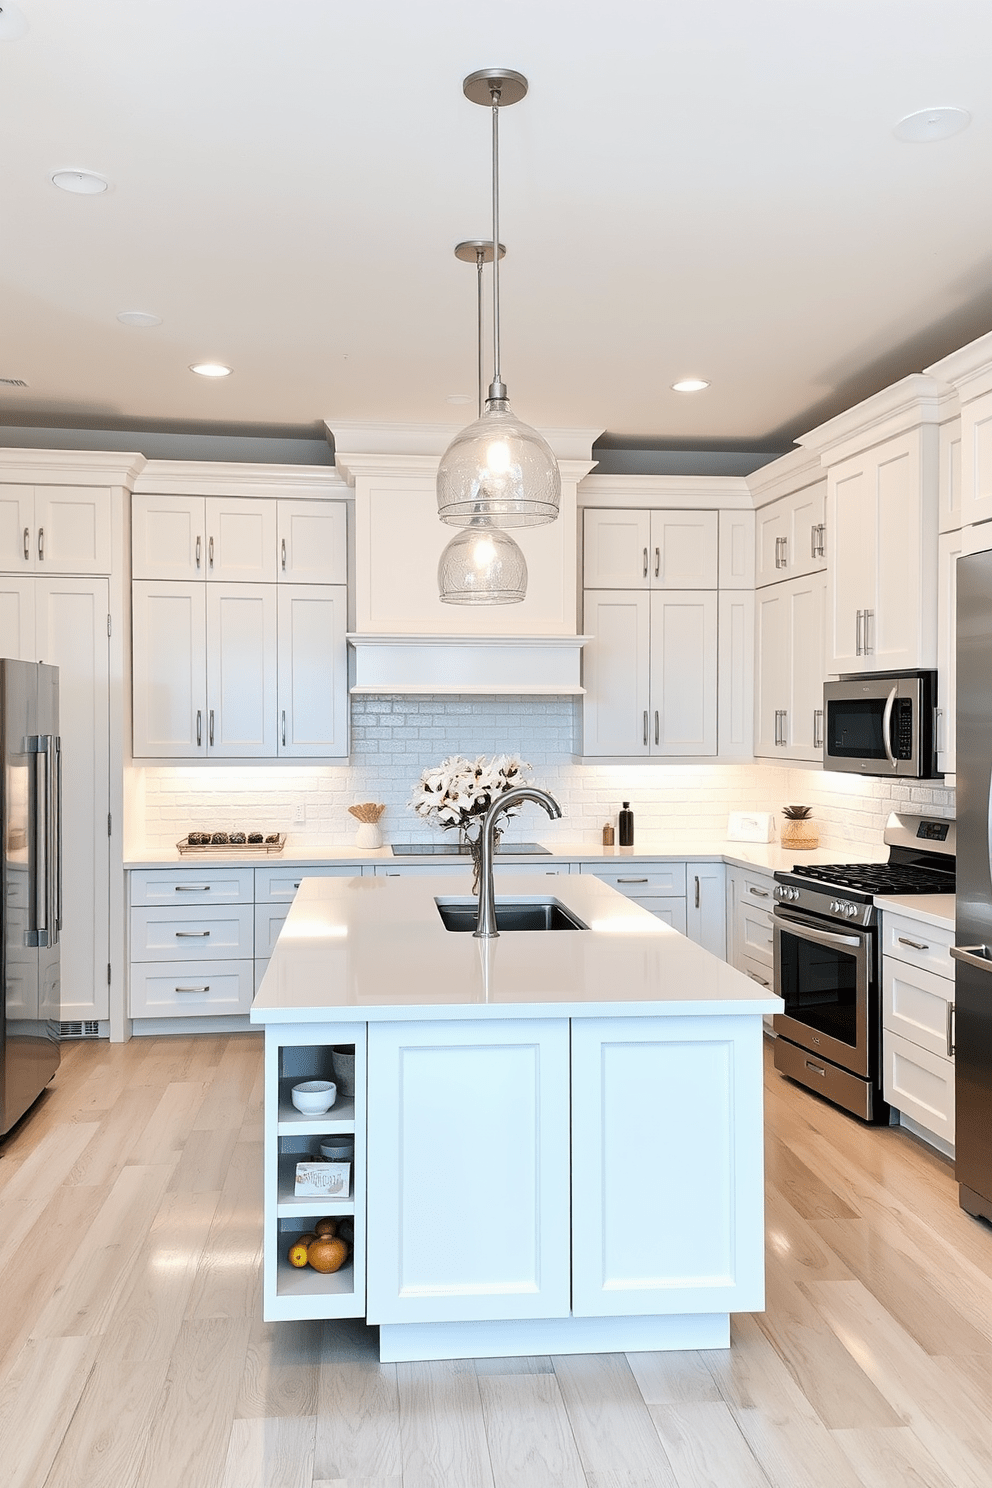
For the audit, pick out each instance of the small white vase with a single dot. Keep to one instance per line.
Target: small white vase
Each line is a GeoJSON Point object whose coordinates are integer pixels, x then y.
{"type": "Point", "coordinates": [369, 834]}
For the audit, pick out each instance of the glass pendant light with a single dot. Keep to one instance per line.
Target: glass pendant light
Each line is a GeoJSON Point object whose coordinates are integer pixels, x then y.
{"type": "Point", "coordinates": [481, 565]}
{"type": "Point", "coordinates": [499, 467]}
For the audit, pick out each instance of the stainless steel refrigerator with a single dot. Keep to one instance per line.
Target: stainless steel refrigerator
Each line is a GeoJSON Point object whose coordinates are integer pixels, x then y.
{"type": "Point", "coordinates": [973, 932]}
{"type": "Point", "coordinates": [30, 867]}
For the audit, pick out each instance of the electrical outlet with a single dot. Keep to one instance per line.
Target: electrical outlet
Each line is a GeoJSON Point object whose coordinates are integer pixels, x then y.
{"type": "Point", "coordinates": [300, 811]}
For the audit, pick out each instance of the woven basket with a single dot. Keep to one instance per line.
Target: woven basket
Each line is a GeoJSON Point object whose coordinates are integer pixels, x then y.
{"type": "Point", "coordinates": [801, 835]}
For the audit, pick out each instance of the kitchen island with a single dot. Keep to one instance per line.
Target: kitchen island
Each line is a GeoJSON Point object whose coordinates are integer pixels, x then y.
{"type": "Point", "coordinates": [558, 1135]}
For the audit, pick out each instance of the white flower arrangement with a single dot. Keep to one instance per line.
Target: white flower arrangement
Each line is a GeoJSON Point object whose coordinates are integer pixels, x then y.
{"type": "Point", "coordinates": [458, 792]}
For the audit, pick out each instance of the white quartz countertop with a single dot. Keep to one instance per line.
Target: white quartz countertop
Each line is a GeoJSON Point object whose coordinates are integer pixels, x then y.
{"type": "Point", "coordinates": [376, 949]}
{"type": "Point", "coordinates": [299, 851]}
{"type": "Point", "coordinates": [930, 909]}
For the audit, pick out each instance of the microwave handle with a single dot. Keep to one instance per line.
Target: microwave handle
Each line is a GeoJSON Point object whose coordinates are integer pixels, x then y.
{"type": "Point", "coordinates": [890, 703]}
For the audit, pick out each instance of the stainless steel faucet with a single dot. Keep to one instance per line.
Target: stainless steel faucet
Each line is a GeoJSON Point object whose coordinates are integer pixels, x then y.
{"type": "Point", "coordinates": [486, 923]}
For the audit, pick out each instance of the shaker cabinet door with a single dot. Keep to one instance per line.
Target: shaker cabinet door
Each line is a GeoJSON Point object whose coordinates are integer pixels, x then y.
{"type": "Point", "coordinates": [313, 688]}
{"type": "Point", "coordinates": [241, 670]}
{"type": "Point", "coordinates": [169, 657]}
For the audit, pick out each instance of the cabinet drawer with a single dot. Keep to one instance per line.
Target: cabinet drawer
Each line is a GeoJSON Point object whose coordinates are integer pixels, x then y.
{"type": "Point", "coordinates": [158, 935]}
{"type": "Point", "coordinates": [190, 989]}
{"type": "Point", "coordinates": [759, 971]}
{"type": "Point", "coordinates": [755, 935]}
{"type": "Point", "coordinates": [184, 886]}
{"type": "Point", "coordinates": [918, 1005]}
{"type": "Point", "coordinates": [671, 910]}
{"type": "Point", "coordinates": [279, 885]}
{"type": "Point", "coordinates": [637, 879]}
{"type": "Point", "coordinates": [919, 1084]}
{"type": "Point", "coordinates": [927, 946]}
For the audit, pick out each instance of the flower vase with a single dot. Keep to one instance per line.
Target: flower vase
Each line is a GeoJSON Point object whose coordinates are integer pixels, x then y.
{"type": "Point", "coordinates": [803, 835]}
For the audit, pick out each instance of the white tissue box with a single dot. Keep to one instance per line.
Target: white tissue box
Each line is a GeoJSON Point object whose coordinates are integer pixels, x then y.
{"type": "Point", "coordinates": [751, 826]}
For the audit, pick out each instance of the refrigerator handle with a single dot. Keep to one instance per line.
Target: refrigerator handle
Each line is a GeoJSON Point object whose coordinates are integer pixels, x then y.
{"type": "Point", "coordinates": [979, 956]}
{"type": "Point", "coordinates": [56, 853]}
{"type": "Point", "coordinates": [38, 935]}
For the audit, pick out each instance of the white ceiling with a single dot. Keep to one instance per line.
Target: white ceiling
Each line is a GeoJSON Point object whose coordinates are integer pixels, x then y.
{"type": "Point", "coordinates": [709, 188]}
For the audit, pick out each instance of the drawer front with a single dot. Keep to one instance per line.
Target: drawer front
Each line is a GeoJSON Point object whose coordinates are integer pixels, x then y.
{"type": "Point", "coordinates": [928, 946]}
{"type": "Point", "coordinates": [760, 972]}
{"type": "Point", "coordinates": [919, 1084]}
{"type": "Point", "coordinates": [280, 884]}
{"type": "Point", "coordinates": [755, 935]}
{"type": "Point", "coordinates": [758, 891]}
{"type": "Point", "coordinates": [269, 920]}
{"type": "Point", "coordinates": [225, 933]}
{"type": "Point", "coordinates": [188, 886]}
{"type": "Point", "coordinates": [918, 1005]}
{"type": "Point", "coordinates": [190, 989]}
{"type": "Point", "coordinates": [418, 870]}
{"type": "Point", "coordinates": [637, 879]}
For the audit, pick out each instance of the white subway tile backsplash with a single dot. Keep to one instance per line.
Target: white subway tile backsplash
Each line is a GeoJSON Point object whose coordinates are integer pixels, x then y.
{"type": "Point", "coordinates": [395, 738]}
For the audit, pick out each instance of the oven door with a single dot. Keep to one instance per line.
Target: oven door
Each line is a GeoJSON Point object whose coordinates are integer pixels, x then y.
{"type": "Point", "coordinates": [825, 978]}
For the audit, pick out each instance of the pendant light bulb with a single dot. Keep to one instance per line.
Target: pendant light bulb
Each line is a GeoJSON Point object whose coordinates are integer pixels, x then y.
{"type": "Point", "coordinates": [482, 566]}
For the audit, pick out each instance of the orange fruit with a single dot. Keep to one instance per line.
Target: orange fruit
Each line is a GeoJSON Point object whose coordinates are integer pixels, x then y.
{"type": "Point", "coordinates": [326, 1228]}
{"type": "Point", "coordinates": [306, 1239]}
{"type": "Point", "coordinates": [327, 1254]}
{"type": "Point", "coordinates": [297, 1255]}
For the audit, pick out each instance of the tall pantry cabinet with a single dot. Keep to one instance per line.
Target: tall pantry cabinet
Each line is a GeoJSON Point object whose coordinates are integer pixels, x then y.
{"type": "Point", "coordinates": [62, 601]}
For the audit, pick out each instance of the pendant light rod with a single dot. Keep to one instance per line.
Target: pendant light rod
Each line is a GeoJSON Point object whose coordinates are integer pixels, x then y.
{"type": "Point", "coordinates": [498, 87]}
{"type": "Point", "coordinates": [478, 251]}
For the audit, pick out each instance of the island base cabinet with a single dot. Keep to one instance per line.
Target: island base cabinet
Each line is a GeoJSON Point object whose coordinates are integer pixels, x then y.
{"type": "Point", "coordinates": [468, 1198]}
{"type": "Point", "coordinates": [666, 1183]}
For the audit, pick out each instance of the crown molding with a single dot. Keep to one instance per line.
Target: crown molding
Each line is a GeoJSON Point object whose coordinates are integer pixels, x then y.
{"type": "Point", "coordinates": [433, 439]}
{"type": "Point", "coordinates": [71, 467]}
{"type": "Point", "coordinates": [230, 478]}
{"type": "Point", "coordinates": [907, 404]}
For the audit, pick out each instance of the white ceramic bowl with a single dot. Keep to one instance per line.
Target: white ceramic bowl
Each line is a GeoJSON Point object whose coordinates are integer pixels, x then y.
{"type": "Point", "coordinates": [338, 1149]}
{"type": "Point", "coordinates": [314, 1097]}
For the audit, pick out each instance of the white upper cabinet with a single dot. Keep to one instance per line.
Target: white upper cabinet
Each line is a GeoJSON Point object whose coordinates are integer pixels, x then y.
{"type": "Point", "coordinates": [238, 540]}
{"type": "Point", "coordinates": [789, 669]}
{"type": "Point", "coordinates": [616, 672]}
{"type": "Point", "coordinates": [791, 535]}
{"type": "Point", "coordinates": [683, 672]}
{"type": "Point", "coordinates": [241, 671]}
{"type": "Point", "coordinates": [968, 372]}
{"type": "Point", "coordinates": [169, 656]}
{"type": "Point", "coordinates": [950, 475]}
{"type": "Point", "coordinates": [650, 549]}
{"type": "Point", "coordinates": [55, 529]}
{"type": "Point", "coordinates": [313, 691]}
{"type": "Point", "coordinates": [313, 545]}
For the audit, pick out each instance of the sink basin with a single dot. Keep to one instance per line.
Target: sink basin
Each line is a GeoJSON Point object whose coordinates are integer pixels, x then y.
{"type": "Point", "coordinates": [531, 914]}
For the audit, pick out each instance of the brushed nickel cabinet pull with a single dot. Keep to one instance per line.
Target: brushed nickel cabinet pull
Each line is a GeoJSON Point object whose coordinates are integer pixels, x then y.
{"type": "Point", "coordinates": [284, 555]}
{"type": "Point", "coordinates": [192, 888]}
{"type": "Point", "coordinates": [205, 988]}
{"type": "Point", "coordinates": [199, 728]}
{"type": "Point", "coordinates": [210, 552]}
{"type": "Point", "coordinates": [760, 980]}
{"type": "Point", "coordinates": [697, 890]}
{"type": "Point", "coordinates": [284, 727]}
{"type": "Point", "coordinates": [41, 544]}
{"type": "Point", "coordinates": [869, 634]}
{"type": "Point", "coordinates": [858, 648]}
{"type": "Point", "coordinates": [211, 733]}
{"type": "Point", "coordinates": [645, 573]}
{"type": "Point", "coordinates": [917, 945]}
{"type": "Point", "coordinates": [817, 728]}
{"type": "Point", "coordinates": [657, 563]}
{"type": "Point", "coordinates": [192, 934]}
{"type": "Point", "coordinates": [949, 1031]}
{"type": "Point", "coordinates": [27, 544]}
{"type": "Point", "coordinates": [657, 723]}
{"type": "Point", "coordinates": [645, 727]}
{"type": "Point", "coordinates": [817, 1069]}
{"type": "Point", "coordinates": [199, 555]}
{"type": "Point", "coordinates": [631, 880]}
{"type": "Point", "coordinates": [759, 893]}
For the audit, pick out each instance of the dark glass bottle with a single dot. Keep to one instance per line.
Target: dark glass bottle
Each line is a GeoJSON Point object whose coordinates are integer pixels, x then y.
{"type": "Point", "coordinates": [625, 826]}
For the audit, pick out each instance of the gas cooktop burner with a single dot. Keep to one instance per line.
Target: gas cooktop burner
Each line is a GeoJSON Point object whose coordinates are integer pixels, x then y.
{"type": "Point", "coordinates": [879, 878]}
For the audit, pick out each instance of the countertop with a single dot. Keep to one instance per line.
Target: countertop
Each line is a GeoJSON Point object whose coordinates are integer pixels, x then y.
{"type": "Point", "coordinates": [931, 909]}
{"type": "Point", "coordinates": [376, 949]}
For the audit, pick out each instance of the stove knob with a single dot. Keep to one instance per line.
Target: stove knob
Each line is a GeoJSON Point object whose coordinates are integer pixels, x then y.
{"type": "Point", "coordinates": [834, 907]}
{"type": "Point", "coordinates": [795, 894]}
{"type": "Point", "coordinates": [851, 910]}
{"type": "Point", "coordinates": [780, 892]}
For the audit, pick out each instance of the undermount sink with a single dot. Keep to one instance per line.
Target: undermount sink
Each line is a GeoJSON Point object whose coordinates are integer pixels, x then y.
{"type": "Point", "coordinates": [531, 914]}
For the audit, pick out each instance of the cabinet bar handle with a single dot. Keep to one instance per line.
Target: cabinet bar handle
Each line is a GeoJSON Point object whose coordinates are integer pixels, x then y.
{"type": "Point", "coordinates": [284, 555]}
{"type": "Point", "coordinates": [284, 716]}
{"type": "Point", "coordinates": [817, 728]}
{"type": "Point", "coordinates": [297, 884]}
{"type": "Point", "coordinates": [645, 727]}
{"type": "Point", "coordinates": [759, 893]}
{"type": "Point", "coordinates": [870, 634]}
{"type": "Point", "coordinates": [657, 563]}
{"type": "Point", "coordinates": [656, 725]}
{"type": "Point", "coordinates": [645, 573]}
{"type": "Point", "coordinates": [857, 632]}
{"type": "Point", "coordinates": [760, 980]}
{"type": "Point", "coordinates": [192, 934]}
{"type": "Point", "coordinates": [199, 555]}
{"type": "Point", "coordinates": [817, 1069]}
{"type": "Point", "coordinates": [210, 552]}
{"type": "Point", "coordinates": [41, 544]}
{"type": "Point", "coordinates": [194, 989]}
{"type": "Point", "coordinates": [211, 733]}
{"type": "Point", "coordinates": [192, 888]}
{"type": "Point", "coordinates": [697, 890]}
{"type": "Point", "coordinates": [631, 880]}
{"type": "Point", "coordinates": [950, 1030]}
{"type": "Point", "coordinates": [27, 544]}
{"type": "Point", "coordinates": [199, 727]}
{"type": "Point", "coordinates": [781, 551]}
{"type": "Point", "coordinates": [917, 945]}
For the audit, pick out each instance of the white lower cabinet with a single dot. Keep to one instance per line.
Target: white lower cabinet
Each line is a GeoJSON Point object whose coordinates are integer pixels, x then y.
{"type": "Point", "coordinates": [918, 1025]}
{"type": "Point", "coordinates": [750, 926]}
{"type": "Point", "coordinates": [468, 1165]}
{"type": "Point", "coordinates": [656, 887]}
{"type": "Point", "coordinates": [705, 906]}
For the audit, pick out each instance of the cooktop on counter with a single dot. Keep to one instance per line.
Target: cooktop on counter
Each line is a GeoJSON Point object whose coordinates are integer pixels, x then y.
{"type": "Point", "coordinates": [455, 849]}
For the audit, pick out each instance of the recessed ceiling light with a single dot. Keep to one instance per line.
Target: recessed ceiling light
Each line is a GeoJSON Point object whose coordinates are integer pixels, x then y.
{"type": "Point", "coordinates": [210, 369]}
{"type": "Point", "coordinates": [12, 22]}
{"type": "Point", "coordinates": [689, 385]}
{"type": "Point", "coordinates": [458, 398]}
{"type": "Point", "coordinates": [139, 318]}
{"type": "Point", "coordinates": [82, 182]}
{"type": "Point", "coordinates": [931, 124]}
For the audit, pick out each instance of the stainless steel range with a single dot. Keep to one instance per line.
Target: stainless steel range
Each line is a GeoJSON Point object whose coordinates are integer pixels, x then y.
{"type": "Point", "coordinates": [827, 960]}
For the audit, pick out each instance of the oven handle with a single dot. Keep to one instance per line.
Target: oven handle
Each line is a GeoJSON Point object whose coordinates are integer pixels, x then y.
{"type": "Point", "coordinates": [821, 937]}
{"type": "Point", "coordinates": [890, 703]}
{"type": "Point", "coordinates": [977, 956]}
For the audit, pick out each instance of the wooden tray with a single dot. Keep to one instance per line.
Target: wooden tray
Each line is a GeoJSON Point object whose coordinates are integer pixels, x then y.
{"type": "Point", "coordinates": [234, 849]}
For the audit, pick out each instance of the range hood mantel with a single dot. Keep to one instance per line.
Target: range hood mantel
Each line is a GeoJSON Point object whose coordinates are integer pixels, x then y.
{"type": "Point", "coordinates": [486, 665]}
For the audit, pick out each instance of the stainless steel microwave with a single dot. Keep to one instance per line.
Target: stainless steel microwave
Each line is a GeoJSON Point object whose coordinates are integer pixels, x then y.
{"type": "Point", "coordinates": [881, 723]}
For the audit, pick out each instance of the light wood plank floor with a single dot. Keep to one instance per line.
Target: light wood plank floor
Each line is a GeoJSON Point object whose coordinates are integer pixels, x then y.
{"type": "Point", "coordinates": [133, 1355]}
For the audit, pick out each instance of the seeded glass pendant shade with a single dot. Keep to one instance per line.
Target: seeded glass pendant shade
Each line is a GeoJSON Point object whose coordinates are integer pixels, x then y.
{"type": "Point", "coordinates": [482, 566]}
{"type": "Point", "coordinates": [499, 467]}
